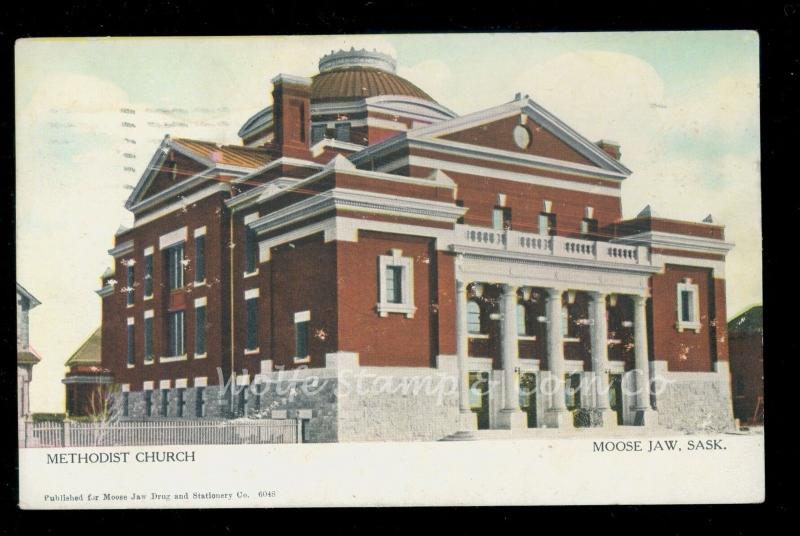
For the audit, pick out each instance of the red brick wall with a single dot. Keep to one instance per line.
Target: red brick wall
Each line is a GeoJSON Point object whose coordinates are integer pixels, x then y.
{"type": "Point", "coordinates": [687, 350]}
{"type": "Point", "coordinates": [479, 195]}
{"type": "Point", "coordinates": [393, 340]}
{"type": "Point", "coordinates": [209, 213]}
{"type": "Point", "coordinates": [303, 277]}
{"type": "Point", "coordinates": [498, 135]}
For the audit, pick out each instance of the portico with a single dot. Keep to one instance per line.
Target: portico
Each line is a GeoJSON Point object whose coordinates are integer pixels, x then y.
{"type": "Point", "coordinates": [556, 308]}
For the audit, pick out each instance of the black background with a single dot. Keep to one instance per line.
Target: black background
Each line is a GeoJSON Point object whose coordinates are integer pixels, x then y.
{"type": "Point", "coordinates": [776, 23]}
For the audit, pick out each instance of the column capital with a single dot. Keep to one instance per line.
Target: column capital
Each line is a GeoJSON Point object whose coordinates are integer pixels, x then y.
{"type": "Point", "coordinates": [597, 295]}
{"type": "Point", "coordinates": [553, 293]}
{"type": "Point", "coordinates": [461, 285]}
{"type": "Point", "coordinates": [508, 290]}
{"type": "Point", "coordinates": [639, 299]}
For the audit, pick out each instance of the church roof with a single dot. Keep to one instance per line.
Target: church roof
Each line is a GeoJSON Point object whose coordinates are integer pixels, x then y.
{"type": "Point", "coordinates": [355, 82]}
{"type": "Point", "coordinates": [232, 155]}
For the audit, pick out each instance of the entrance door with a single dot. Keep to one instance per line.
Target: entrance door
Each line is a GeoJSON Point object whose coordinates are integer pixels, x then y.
{"type": "Point", "coordinates": [527, 396]}
{"type": "Point", "coordinates": [479, 397]}
{"type": "Point", "coordinates": [615, 395]}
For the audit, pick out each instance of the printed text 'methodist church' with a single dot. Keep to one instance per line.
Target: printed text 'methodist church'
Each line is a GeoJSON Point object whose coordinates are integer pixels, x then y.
{"type": "Point", "coordinates": [362, 229]}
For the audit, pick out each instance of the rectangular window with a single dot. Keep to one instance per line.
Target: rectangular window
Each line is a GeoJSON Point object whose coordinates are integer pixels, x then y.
{"type": "Point", "coordinates": [394, 284]}
{"type": "Point", "coordinates": [148, 339]}
{"type": "Point", "coordinates": [251, 251]}
{"type": "Point", "coordinates": [131, 344]}
{"type": "Point", "coordinates": [164, 402]}
{"type": "Point", "coordinates": [175, 266]}
{"type": "Point", "coordinates": [129, 284]}
{"type": "Point", "coordinates": [175, 333]}
{"type": "Point", "coordinates": [126, 404]}
{"type": "Point", "coordinates": [301, 321]}
{"type": "Point", "coordinates": [200, 331]}
{"type": "Point", "coordinates": [148, 275]}
{"type": "Point", "coordinates": [200, 402]}
{"type": "Point", "coordinates": [317, 133]}
{"type": "Point", "coordinates": [148, 403]}
{"type": "Point", "coordinates": [688, 306]}
{"type": "Point", "coordinates": [547, 224]}
{"type": "Point", "coordinates": [343, 132]}
{"type": "Point", "coordinates": [200, 259]}
{"type": "Point", "coordinates": [251, 306]}
{"type": "Point", "coordinates": [180, 402]}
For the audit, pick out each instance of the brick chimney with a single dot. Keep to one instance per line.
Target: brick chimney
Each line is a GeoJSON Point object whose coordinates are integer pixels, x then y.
{"type": "Point", "coordinates": [291, 109]}
{"type": "Point", "coordinates": [611, 148]}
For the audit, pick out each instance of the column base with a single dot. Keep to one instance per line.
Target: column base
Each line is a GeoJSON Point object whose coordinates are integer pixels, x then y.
{"type": "Point", "coordinates": [512, 419]}
{"type": "Point", "coordinates": [467, 421]}
{"type": "Point", "coordinates": [559, 418]}
{"type": "Point", "coordinates": [608, 418]}
{"type": "Point", "coordinates": [645, 417]}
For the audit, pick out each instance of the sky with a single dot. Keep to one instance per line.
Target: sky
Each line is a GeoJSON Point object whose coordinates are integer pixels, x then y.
{"type": "Point", "coordinates": [684, 107]}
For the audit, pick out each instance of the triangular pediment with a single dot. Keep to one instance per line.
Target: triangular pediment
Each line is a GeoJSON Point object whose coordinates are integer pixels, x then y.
{"type": "Point", "coordinates": [169, 166]}
{"type": "Point", "coordinates": [521, 127]}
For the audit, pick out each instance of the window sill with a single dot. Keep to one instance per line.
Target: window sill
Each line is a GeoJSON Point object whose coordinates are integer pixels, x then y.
{"type": "Point", "coordinates": [172, 359]}
{"type": "Point", "coordinates": [571, 339]}
{"type": "Point", "coordinates": [129, 305]}
{"type": "Point", "coordinates": [250, 274]}
{"type": "Point", "coordinates": [131, 366]}
{"type": "Point", "coordinates": [252, 351]}
{"type": "Point", "coordinates": [478, 335]}
{"type": "Point", "coordinates": [149, 361]}
{"type": "Point", "coordinates": [691, 326]}
{"type": "Point", "coordinates": [200, 283]}
{"type": "Point", "coordinates": [148, 298]}
{"type": "Point", "coordinates": [201, 356]}
{"type": "Point", "coordinates": [526, 337]}
{"type": "Point", "coordinates": [385, 308]}
{"type": "Point", "coordinates": [300, 360]}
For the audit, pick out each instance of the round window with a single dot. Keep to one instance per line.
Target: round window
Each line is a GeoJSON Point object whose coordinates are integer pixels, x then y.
{"type": "Point", "coordinates": [522, 137]}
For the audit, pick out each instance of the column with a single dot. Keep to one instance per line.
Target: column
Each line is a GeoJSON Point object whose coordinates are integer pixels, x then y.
{"type": "Point", "coordinates": [599, 336]}
{"type": "Point", "coordinates": [467, 419]}
{"type": "Point", "coordinates": [645, 415]}
{"type": "Point", "coordinates": [511, 416]}
{"type": "Point", "coordinates": [558, 415]}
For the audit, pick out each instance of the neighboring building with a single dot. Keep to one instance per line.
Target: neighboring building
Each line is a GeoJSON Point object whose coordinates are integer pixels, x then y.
{"type": "Point", "coordinates": [87, 382]}
{"type": "Point", "coordinates": [26, 357]}
{"type": "Point", "coordinates": [364, 230]}
{"type": "Point", "coordinates": [746, 347]}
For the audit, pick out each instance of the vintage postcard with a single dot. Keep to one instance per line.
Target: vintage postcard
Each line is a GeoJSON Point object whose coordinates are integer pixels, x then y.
{"type": "Point", "coordinates": [476, 269]}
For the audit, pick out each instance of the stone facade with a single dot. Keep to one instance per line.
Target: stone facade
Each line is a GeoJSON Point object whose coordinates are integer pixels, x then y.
{"type": "Point", "coordinates": [693, 401]}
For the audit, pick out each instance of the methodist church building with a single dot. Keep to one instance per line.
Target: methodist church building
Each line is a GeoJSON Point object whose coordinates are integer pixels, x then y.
{"type": "Point", "coordinates": [363, 230]}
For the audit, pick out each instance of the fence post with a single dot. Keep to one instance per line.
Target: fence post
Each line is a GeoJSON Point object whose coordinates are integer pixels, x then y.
{"type": "Point", "coordinates": [67, 436]}
{"type": "Point", "coordinates": [299, 430]}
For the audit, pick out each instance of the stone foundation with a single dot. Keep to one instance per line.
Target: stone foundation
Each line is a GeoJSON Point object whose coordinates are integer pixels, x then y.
{"type": "Point", "coordinates": [345, 402]}
{"type": "Point", "coordinates": [693, 401]}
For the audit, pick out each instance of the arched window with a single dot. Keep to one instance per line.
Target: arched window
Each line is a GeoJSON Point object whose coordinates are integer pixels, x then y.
{"type": "Point", "coordinates": [473, 317]}
{"type": "Point", "coordinates": [522, 320]}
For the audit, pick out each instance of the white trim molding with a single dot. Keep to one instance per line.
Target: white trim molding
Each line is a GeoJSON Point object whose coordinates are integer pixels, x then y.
{"type": "Point", "coordinates": [121, 249]}
{"type": "Point", "coordinates": [406, 266]}
{"type": "Point", "coordinates": [172, 238]}
{"type": "Point", "coordinates": [693, 291]}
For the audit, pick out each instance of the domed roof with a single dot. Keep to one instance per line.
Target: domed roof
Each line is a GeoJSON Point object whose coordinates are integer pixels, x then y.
{"type": "Point", "coordinates": [358, 74]}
